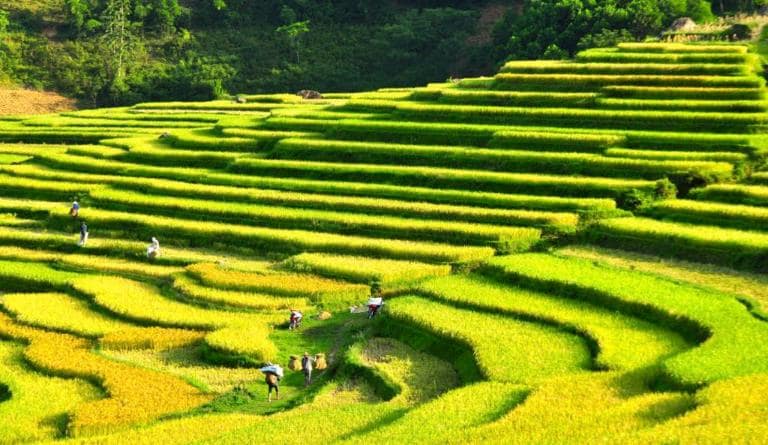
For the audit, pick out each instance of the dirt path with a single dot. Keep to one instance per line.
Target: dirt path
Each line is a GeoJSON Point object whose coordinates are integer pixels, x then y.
{"type": "Point", "coordinates": [21, 101]}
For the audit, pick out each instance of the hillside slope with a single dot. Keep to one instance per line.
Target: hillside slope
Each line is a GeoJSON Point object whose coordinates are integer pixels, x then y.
{"type": "Point", "coordinates": [592, 232]}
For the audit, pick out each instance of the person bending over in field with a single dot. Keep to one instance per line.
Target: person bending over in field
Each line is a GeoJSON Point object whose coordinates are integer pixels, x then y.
{"type": "Point", "coordinates": [295, 320]}
{"type": "Point", "coordinates": [153, 251]}
{"type": "Point", "coordinates": [83, 234]}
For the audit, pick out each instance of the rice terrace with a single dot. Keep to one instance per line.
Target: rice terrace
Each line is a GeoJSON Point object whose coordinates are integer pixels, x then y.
{"type": "Point", "coordinates": [568, 251]}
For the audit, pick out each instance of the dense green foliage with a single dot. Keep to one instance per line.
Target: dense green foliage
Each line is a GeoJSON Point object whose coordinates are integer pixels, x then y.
{"type": "Point", "coordinates": [556, 28]}
{"type": "Point", "coordinates": [202, 49]}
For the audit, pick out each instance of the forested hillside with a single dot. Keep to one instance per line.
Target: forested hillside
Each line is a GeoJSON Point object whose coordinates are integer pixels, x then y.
{"type": "Point", "coordinates": [108, 52]}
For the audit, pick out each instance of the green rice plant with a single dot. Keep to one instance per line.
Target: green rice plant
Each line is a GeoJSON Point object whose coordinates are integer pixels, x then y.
{"type": "Point", "coordinates": [735, 248]}
{"type": "Point", "coordinates": [216, 105]}
{"type": "Point", "coordinates": [265, 134]}
{"type": "Point", "coordinates": [759, 178]}
{"type": "Point", "coordinates": [547, 141]}
{"type": "Point", "coordinates": [362, 269]}
{"type": "Point", "coordinates": [176, 431]}
{"type": "Point", "coordinates": [248, 300]}
{"type": "Point", "coordinates": [482, 83]}
{"type": "Point", "coordinates": [682, 48]}
{"type": "Point", "coordinates": [725, 409]}
{"type": "Point", "coordinates": [41, 135]}
{"type": "Point", "coordinates": [25, 277]}
{"type": "Point", "coordinates": [237, 333]}
{"type": "Point", "coordinates": [578, 408]}
{"type": "Point", "coordinates": [712, 213]}
{"type": "Point", "coordinates": [538, 352]}
{"type": "Point", "coordinates": [505, 237]}
{"type": "Point", "coordinates": [754, 195]}
{"type": "Point", "coordinates": [18, 187]}
{"type": "Point", "coordinates": [147, 154]}
{"type": "Point", "coordinates": [296, 241]}
{"type": "Point", "coordinates": [130, 255]}
{"type": "Point", "coordinates": [129, 115]}
{"type": "Point", "coordinates": [670, 155]}
{"type": "Point", "coordinates": [443, 177]}
{"type": "Point", "coordinates": [90, 262]}
{"type": "Point", "coordinates": [726, 330]}
{"type": "Point", "coordinates": [60, 312]}
{"type": "Point", "coordinates": [207, 140]}
{"type": "Point", "coordinates": [416, 376]}
{"type": "Point", "coordinates": [134, 395]}
{"type": "Point", "coordinates": [620, 342]}
{"type": "Point", "coordinates": [59, 121]}
{"type": "Point", "coordinates": [400, 193]}
{"type": "Point", "coordinates": [282, 426]}
{"type": "Point", "coordinates": [153, 339]}
{"type": "Point", "coordinates": [185, 363]}
{"type": "Point", "coordinates": [684, 69]}
{"type": "Point", "coordinates": [13, 159]}
{"type": "Point", "coordinates": [594, 82]}
{"type": "Point", "coordinates": [418, 209]}
{"type": "Point", "coordinates": [733, 106]}
{"type": "Point", "coordinates": [612, 55]}
{"type": "Point", "coordinates": [35, 398]}
{"type": "Point", "coordinates": [751, 288]}
{"type": "Point", "coordinates": [31, 149]}
{"type": "Point", "coordinates": [515, 98]}
{"type": "Point", "coordinates": [392, 131]}
{"type": "Point", "coordinates": [96, 151]}
{"type": "Point", "coordinates": [442, 419]}
{"type": "Point", "coordinates": [575, 117]}
{"type": "Point", "coordinates": [277, 283]}
{"type": "Point", "coordinates": [501, 160]}
{"type": "Point", "coordinates": [681, 93]}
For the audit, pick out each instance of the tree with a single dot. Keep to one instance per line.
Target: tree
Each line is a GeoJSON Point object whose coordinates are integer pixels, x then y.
{"type": "Point", "coordinates": [118, 39]}
{"type": "Point", "coordinates": [293, 32]}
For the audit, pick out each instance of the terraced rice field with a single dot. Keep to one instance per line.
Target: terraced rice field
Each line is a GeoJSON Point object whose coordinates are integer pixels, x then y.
{"type": "Point", "coordinates": [570, 252]}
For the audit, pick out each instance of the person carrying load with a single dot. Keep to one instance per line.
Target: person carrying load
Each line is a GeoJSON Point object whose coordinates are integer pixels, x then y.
{"type": "Point", "coordinates": [295, 320]}
{"type": "Point", "coordinates": [307, 364]}
{"type": "Point", "coordinates": [272, 376]}
{"type": "Point", "coordinates": [375, 302]}
{"type": "Point", "coordinates": [153, 250]}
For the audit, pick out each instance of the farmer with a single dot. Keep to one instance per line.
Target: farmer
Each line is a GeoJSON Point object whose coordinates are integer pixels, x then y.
{"type": "Point", "coordinates": [73, 212]}
{"type": "Point", "coordinates": [273, 382]}
{"type": "Point", "coordinates": [307, 363]}
{"type": "Point", "coordinates": [153, 251]}
{"type": "Point", "coordinates": [272, 376]}
{"type": "Point", "coordinates": [83, 234]}
{"type": "Point", "coordinates": [295, 319]}
{"type": "Point", "coordinates": [375, 301]}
